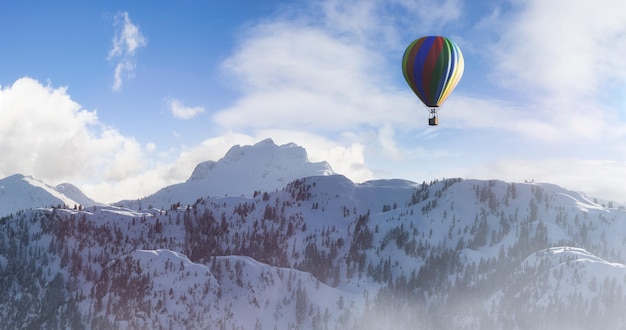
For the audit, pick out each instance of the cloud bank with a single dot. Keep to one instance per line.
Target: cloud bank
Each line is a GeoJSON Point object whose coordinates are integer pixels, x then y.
{"type": "Point", "coordinates": [47, 134]}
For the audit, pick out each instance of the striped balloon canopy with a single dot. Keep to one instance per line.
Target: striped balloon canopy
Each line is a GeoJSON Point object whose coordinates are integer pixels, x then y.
{"type": "Point", "coordinates": [432, 66]}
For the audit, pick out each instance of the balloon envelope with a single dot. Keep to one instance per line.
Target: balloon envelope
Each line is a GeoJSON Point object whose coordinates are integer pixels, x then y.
{"type": "Point", "coordinates": [433, 66]}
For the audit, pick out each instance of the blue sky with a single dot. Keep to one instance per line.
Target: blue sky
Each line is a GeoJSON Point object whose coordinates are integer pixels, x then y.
{"type": "Point", "coordinates": [122, 98]}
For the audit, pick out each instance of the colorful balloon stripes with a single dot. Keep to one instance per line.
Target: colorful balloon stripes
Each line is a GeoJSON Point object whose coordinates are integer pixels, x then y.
{"type": "Point", "coordinates": [433, 66]}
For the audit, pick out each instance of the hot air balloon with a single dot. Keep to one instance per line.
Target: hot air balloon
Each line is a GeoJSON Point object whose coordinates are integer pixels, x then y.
{"type": "Point", "coordinates": [433, 66]}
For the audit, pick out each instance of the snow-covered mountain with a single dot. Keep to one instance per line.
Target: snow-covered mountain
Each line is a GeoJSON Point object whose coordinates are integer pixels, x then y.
{"type": "Point", "coordinates": [18, 192]}
{"type": "Point", "coordinates": [74, 193]}
{"type": "Point", "coordinates": [244, 170]}
{"type": "Point", "coordinates": [322, 252]}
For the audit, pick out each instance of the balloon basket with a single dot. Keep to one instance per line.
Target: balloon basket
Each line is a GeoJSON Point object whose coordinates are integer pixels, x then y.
{"type": "Point", "coordinates": [433, 121]}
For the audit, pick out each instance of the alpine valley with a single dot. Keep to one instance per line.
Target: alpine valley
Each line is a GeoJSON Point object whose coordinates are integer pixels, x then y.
{"type": "Point", "coordinates": [265, 239]}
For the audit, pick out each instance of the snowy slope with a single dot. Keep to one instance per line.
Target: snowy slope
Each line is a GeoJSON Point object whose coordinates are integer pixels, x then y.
{"type": "Point", "coordinates": [18, 192]}
{"type": "Point", "coordinates": [264, 166]}
{"type": "Point", "coordinates": [152, 288]}
{"type": "Point", "coordinates": [324, 252]}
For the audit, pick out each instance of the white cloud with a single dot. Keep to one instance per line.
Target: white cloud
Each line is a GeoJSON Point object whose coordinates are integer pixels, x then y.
{"type": "Point", "coordinates": [180, 111]}
{"type": "Point", "coordinates": [303, 76]}
{"type": "Point", "coordinates": [46, 134]}
{"type": "Point", "coordinates": [388, 143]}
{"type": "Point", "coordinates": [563, 50]}
{"type": "Point", "coordinates": [428, 14]}
{"type": "Point", "coordinates": [126, 41]}
{"type": "Point", "coordinates": [176, 167]}
{"type": "Point", "coordinates": [150, 147]}
{"type": "Point", "coordinates": [381, 23]}
{"type": "Point", "coordinates": [123, 70]}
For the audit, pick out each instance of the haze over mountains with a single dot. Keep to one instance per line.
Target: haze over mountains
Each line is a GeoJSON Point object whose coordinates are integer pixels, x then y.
{"type": "Point", "coordinates": [265, 239]}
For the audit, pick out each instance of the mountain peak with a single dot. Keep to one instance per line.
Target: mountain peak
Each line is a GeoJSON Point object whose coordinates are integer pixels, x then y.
{"type": "Point", "coordinates": [267, 141]}
{"type": "Point", "coordinates": [244, 169]}
{"type": "Point", "coordinates": [264, 158]}
{"type": "Point", "coordinates": [74, 193]}
{"type": "Point", "coordinates": [18, 192]}
{"type": "Point", "coordinates": [15, 177]}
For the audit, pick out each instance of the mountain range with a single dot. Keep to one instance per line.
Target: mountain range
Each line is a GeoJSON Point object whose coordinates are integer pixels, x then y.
{"type": "Point", "coordinates": [18, 192]}
{"type": "Point", "coordinates": [263, 238]}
